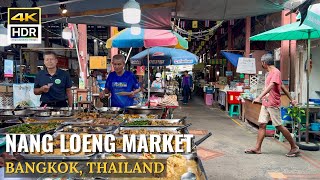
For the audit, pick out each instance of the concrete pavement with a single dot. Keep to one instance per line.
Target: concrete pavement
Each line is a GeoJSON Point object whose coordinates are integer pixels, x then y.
{"type": "Point", "coordinates": [223, 154]}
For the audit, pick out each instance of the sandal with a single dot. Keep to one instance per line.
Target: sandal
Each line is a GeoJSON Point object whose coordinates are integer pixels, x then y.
{"type": "Point", "coordinates": [251, 151]}
{"type": "Point", "coordinates": [293, 153]}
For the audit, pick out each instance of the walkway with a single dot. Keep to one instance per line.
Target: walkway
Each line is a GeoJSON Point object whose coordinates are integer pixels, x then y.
{"type": "Point", "coordinates": [223, 153]}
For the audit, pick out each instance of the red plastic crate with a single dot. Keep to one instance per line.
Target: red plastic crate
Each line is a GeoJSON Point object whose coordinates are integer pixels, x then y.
{"type": "Point", "coordinates": [233, 97]}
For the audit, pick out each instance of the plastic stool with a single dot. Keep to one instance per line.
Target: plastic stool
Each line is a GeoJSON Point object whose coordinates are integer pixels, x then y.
{"type": "Point", "coordinates": [234, 110]}
{"type": "Point", "coordinates": [280, 135]}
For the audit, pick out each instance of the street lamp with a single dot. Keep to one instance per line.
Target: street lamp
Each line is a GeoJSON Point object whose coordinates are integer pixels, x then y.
{"type": "Point", "coordinates": [131, 12]}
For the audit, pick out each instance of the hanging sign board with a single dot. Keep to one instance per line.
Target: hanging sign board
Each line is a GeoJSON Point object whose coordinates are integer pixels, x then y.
{"type": "Point", "coordinates": [8, 68]}
{"type": "Point", "coordinates": [98, 62]}
{"type": "Point", "coordinates": [246, 65]}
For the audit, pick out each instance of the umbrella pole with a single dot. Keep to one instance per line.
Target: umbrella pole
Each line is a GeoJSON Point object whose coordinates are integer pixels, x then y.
{"type": "Point", "coordinates": [148, 79]}
{"type": "Point", "coordinates": [308, 73]}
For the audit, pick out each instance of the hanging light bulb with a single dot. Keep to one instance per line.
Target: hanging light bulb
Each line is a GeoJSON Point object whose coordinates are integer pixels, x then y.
{"type": "Point", "coordinates": [135, 29]}
{"type": "Point", "coordinates": [66, 33]}
{"type": "Point", "coordinates": [3, 36]}
{"type": "Point", "coordinates": [131, 12]}
{"type": "Point", "coordinates": [63, 8]}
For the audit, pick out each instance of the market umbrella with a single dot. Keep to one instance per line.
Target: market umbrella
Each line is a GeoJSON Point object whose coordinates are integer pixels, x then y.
{"type": "Point", "coordinates": [292, 32]}
{"type": "Point", "coordinates": [163, 56]}
{"type": "Point", "coordinates": [147, 38]}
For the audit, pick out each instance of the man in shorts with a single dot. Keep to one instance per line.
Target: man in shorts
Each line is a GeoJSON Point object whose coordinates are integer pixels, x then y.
{"type": "Point", "coordinates": [270, 106]}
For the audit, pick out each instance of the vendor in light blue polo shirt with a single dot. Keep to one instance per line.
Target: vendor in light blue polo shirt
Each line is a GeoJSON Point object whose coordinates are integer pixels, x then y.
{"type": "Point", "coordinates": [53, 84]}
{"type": "Point", "coordinates": [122, 84]}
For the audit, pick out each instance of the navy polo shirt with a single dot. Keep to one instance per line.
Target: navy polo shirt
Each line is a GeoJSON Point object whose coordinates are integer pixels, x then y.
{"type": "Point", "coordinates": [60, 82]}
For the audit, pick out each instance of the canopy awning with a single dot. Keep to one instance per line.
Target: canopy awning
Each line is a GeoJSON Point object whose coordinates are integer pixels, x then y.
{"type": "Point", "coordinates": [232, 57]}
{"type": "Point", "coordinates": [156, 14]}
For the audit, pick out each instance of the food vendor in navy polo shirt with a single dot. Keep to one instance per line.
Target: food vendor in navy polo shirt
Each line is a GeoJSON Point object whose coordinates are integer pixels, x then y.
{"type": "Point", "coordinates": [122, 84]}
{"type": "Point", "coordinates": [53, 84]}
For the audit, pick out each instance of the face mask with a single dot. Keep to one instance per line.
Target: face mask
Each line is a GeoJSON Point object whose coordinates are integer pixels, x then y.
{"type": "Point", "coordinates": [158, 78]}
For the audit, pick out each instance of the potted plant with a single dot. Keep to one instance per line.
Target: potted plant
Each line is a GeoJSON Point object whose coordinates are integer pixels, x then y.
{"type": "Point", "coordinates": [295, 113]}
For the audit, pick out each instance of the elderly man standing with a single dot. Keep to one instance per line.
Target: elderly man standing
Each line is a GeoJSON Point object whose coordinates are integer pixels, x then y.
{"type": "Point", "coordinates": [122, 84]}
{"type": "Point", "coordinates": [270, 107]}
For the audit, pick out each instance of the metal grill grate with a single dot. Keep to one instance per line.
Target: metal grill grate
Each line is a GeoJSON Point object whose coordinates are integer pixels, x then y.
{"type": "Point", "coordinates": [6, 99]}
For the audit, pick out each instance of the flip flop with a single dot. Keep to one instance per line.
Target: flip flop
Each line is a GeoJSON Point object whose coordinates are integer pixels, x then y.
{"type": "Point", "coordinates": [293, 154]}
{"type": "Point", "coordinates": [251, 151]}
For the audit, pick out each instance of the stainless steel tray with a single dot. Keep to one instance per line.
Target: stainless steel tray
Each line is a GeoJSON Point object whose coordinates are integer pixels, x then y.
{"type": "Point", "coordinates": [112, 110]}
{"type": "Point", "coordinates": [144, 110]}
{"type": "Point", "coordinates": [4, 131]}
{"type": "Point", "coordinates": [41, 120]}
{"type": "Point", "coordinates": [54, 114]}
{"type": "Point", "coordinates": [169, 121]}
{"type": "Point", "coordinates": [162, 129]}
{"type": "Point", "coordinates": [23, 112]}
{"type": "Point", "coordinates": [192, 156]}
{"type": "Point", "coordinates": [56, 157]}
{"type": "Point", "coordinates": [87, 129]}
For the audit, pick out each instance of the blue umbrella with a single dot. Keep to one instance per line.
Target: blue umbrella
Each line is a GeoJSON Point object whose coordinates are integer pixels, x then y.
{"type": "Point", "coordinates": [162, 56]}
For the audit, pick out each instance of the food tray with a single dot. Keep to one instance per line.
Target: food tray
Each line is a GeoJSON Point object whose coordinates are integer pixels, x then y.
{"type": "Point", "coordinates": [142, 117]}
{"type": "Point", "coordinates": [166, 129]}
{"type": "Point", "coordinates": [120, 149]}
{"type": "Point", "coordinates": [4, 131]}
{"type": "Point", "coordinates": [55, 157]}
{"type": "Point", "coordinates": [23, 112]}
{"type": "Point", "coordinates": [45, 120]}
{"type": "Point", "coordinates": [111, 110]}
{"type": "Point", "coordinates": [54, 114]}
{"type": "Point", "coordinates": [193, 156]}
{"type": "Point", "coordinates": [144, 110]}
{"type": "Point", "coordinates": [170, 121]}
{"type": "Point", "coordinates": [87, 129]}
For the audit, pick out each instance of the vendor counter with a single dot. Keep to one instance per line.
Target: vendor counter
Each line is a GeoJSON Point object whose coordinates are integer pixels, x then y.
{"type": "Point", "coordinates": [250, 112]}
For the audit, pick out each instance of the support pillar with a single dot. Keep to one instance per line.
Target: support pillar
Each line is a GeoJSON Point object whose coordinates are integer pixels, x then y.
{"type": "Point", "coordinates": [247, 47]}
{"type": "Point", "coordinates": [230, 47]}
{"type": "Point", "coordinates": [285, 50]}
{"type": "Point", "coordinates": [82, 28]}
{"type": "Point", "coordinates": [248, 34]}
{"type": "Point", "coordinates": [113, 51]}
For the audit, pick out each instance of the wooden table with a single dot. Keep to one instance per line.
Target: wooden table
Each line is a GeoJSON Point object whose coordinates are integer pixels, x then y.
{"type": "Point", "coordinates": [250, 112]}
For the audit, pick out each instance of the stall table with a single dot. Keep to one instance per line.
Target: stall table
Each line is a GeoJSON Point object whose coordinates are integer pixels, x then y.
{"type": "Point", "coordinates": [250, 112]}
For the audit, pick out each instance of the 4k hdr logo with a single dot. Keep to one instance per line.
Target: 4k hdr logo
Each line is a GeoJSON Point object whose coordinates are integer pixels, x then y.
{"type": "Point", "coordinates": [24, 25]}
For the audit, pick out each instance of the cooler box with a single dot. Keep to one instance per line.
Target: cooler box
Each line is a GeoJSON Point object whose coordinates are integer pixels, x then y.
{"type": "Point", "coordinates": [233, 97]}
{"type": "Point", "coordinates": [209, 99]}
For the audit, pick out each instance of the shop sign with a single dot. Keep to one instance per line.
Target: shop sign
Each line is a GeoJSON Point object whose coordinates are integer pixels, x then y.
{"type": "Point", "coordinates": [246, 65]}
{"type": "Point", "coordinates": [98, 62]}
{"type": "Point", "coordinates": [229, 73]}
{"type": "Point", "coordinates": [24, 25]}
{"type": "Point", "coordinates": [8, 68]}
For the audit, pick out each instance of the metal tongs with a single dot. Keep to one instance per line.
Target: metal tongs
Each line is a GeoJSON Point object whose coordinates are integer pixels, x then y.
{"type": "Point", "coordinates": [183, 127]}
{"type": "Point", "coordinates": [182, 119]}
